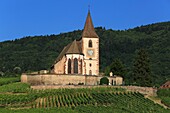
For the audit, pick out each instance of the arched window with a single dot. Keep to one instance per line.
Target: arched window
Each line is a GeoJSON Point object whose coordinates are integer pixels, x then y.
{"type": "Point", "coordinates": [90, 72]}
{"type": "Point", "coordinates": [90, 43]}
{"type": "Point", "coordinates": [81, 66]}
{"type": "Point", "coordinates": [69, 66]}
{"type": "Point", "coordinates": [75, 66]}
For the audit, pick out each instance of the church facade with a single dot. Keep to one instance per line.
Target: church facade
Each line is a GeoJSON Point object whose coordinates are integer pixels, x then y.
{"type": "Point", "coordinates": [80, 56]}
{"type": "Point", "coordinates": [78, 63]}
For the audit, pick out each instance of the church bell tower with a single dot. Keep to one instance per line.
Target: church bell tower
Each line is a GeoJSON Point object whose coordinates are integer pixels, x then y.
{"type": "Point", "coordinates": [90, 48]}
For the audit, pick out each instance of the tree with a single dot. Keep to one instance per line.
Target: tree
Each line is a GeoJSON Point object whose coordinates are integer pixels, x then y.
{"type": "Point", "coordinates": [107, 71]}
{"type": "Point", "coordinates": [17, 70]}
{"type": "Point", "coordinates": [1, 74]}
{"type": "Point", "coordinates": [104, 80]}
{"type": "Point", "coordinates": [141, 69]}
{"type": "Point", "coordinates": [116, 67]}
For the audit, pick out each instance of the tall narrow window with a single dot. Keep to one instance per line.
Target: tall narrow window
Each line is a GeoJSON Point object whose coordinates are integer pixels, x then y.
{"type": "Point", "coordinates": [90, 43]}
{"type": "Point", "coordinates": [90, 72]}
{"type": "Point", "coordinates": [75, 66]}
{"type": "Point", "coordinates": [81, 66]}
{"type": "Point", "coordinates": [69, 66]}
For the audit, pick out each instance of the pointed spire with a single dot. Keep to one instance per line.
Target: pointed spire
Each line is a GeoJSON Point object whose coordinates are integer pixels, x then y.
{"type": "Point", "coordinates": [89, 30]}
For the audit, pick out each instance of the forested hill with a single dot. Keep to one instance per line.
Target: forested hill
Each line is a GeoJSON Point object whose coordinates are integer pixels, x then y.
{"type": "Point", "coordinates": [39, 52]}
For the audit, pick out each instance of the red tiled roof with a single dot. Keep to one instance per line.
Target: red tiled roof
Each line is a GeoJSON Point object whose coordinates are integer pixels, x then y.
{"type": "Point", "coordinates": [89, 31]}
{"type": "Point", "coordinates": [166, 85]}
{"type": "Point", "coordinates": [72, 48]}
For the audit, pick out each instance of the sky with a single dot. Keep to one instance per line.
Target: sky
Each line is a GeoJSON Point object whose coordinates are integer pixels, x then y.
{"type": "Point", "coordinates": [20, 18]}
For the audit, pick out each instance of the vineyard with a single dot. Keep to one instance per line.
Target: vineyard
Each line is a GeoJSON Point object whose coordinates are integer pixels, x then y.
{"type": "Point", "coordinates": [164, 94]}
{"type": "Point", "coordinates": [4, 80]}
{"type": "Point", "coordinates": [18, 98]}
{"type": "Point", "coordinates": [15, 87]}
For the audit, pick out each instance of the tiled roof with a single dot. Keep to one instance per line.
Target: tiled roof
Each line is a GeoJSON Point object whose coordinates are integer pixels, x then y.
{"type": "Point", "coordinates": [89, 31]}
{"type": "Point", "coordinates": [166, 85]}
{"type": "Point", "coordinates": [72, 48]}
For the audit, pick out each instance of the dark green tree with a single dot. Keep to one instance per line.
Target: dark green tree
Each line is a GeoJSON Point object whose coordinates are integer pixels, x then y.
{"type": "Point", "coordinates": [17, 70]}
{"type": "Point", "coordinates": [107, 71]}
{"type": "Point", "coordinates": [141, 69]}
{"type": "Point", "coordinates": [104, 80]}
{"type": "Point", "coordinates": [116, 67]}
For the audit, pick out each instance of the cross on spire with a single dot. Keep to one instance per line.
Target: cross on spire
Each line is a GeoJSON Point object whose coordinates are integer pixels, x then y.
{"type": "Point", "coordinates": [89, 7]}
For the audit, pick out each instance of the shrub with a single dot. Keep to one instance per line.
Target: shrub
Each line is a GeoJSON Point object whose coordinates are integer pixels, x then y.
{"type": "Point", "coordinates": [104, 80]}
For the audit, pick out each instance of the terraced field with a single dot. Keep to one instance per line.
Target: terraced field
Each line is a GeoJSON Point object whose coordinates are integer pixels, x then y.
{"type": "Point", "coordinates": [164, 94]}
{"type": "Point", "coordinates": [19, 98]}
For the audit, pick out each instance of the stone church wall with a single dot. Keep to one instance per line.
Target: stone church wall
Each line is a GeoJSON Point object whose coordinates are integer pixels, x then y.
{"type": "Point", "coordinates": [59, 66]}
{"type": "Point", "coordinates": [95, 57]}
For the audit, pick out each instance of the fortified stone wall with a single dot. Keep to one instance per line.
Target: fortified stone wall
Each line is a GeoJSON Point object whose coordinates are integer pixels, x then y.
{"type": "Point", "coordinates": [55, 79]}
{"type": "Point", "coordinates": [91, 80]}
{"type": "Point", "coordinates": [33, 80]}
{"type": "Point", "coordinates": [52, 79]}
{"type": "Point", "coordinates": [144, 90]}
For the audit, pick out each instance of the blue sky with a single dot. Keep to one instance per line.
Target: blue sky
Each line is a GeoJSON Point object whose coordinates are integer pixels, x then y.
{"type": "Point", "coordinates": [19, 18]}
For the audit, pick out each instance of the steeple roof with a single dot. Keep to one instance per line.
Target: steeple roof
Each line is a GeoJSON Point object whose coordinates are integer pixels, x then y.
{"type": "Point", "coordinates": [89, 30]}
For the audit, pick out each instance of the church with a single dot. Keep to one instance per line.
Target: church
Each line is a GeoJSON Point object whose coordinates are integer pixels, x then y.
{"type": "Point", "coordinates": [78, 63]}
{"type": "Point", "coordinates": [80, 56]}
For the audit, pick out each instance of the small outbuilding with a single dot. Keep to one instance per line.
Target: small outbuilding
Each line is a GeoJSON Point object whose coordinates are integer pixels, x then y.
{"type": "Point", "coordinates": [166, 85]}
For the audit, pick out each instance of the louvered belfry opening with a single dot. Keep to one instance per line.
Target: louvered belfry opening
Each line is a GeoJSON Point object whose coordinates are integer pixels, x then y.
{"type": "Point", "coordinates": [90, 43]}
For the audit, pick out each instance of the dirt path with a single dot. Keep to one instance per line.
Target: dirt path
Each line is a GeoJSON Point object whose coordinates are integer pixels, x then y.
{"type": "Point", "coordinates": [11, 93]}
{"type": "Point", "coordinates": [156, 100]}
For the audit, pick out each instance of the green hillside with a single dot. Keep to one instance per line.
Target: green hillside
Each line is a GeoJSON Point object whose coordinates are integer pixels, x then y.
{"type": "Point", "coordinates": [39, 52]}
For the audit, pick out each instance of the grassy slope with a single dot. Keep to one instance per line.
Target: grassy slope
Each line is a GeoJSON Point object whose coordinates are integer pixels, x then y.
{"type": "Point", "coordinates": [74, 100]}
{"type": "Point", "coordinates": [164, 95]}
